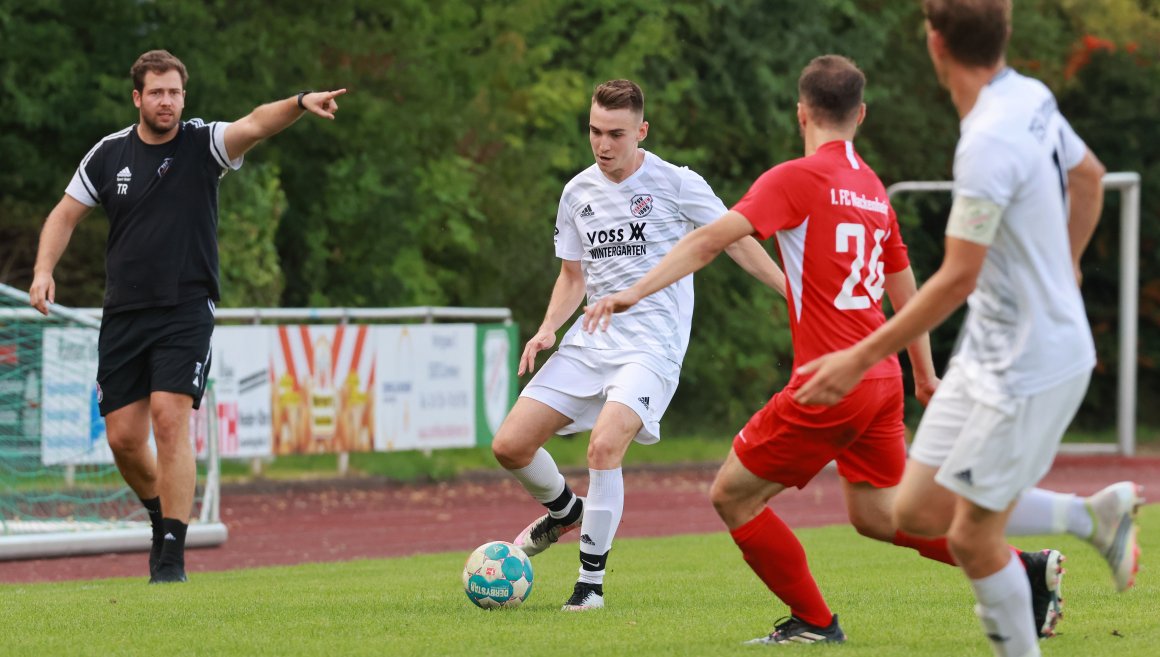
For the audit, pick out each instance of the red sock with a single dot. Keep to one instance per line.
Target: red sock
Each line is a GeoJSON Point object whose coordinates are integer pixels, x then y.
{"type": "Point", "coordinates": [774, 553]}
{"type": "Point", "coordinates": [931, 548]}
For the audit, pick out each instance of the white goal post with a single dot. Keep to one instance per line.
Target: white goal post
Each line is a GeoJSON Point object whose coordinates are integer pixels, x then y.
{"type": "Point", "coordinates": [1128, 185]}
{"type": "Point", "coordinates": [73, 503]}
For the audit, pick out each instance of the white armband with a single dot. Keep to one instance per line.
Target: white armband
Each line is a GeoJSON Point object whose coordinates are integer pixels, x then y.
{"type": "Point", "coordinates": [974, 220]}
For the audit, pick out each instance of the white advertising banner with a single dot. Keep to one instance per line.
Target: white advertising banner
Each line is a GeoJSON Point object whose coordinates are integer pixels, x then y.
{"type": "Point", "coordinates": [426, 386]}
{"type": "Point", "coordinates": [72, 430]}
{"type": "Point", "coordinates": [242, 374]}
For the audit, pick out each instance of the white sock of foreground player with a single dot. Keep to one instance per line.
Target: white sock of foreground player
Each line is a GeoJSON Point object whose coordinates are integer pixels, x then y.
{"type": "Point", "coordinates": [543, 481]}
{"type": "Point", "coordinates": [1004, 608]}
{"type": "Point", "coordinates": [602, 510]}
{"type": "Point", "coordinates": [1040, 511]}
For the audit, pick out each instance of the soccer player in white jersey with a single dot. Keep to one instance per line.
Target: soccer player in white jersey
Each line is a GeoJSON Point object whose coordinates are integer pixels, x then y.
{"type": "Point", "coordinates": [1027, 197]}
{"type": "Point", "coordinates": [616, 219]}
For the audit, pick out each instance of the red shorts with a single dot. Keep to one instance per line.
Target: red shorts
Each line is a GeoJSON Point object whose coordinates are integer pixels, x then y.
{"type": "Point", "coordinates": [788, 443]}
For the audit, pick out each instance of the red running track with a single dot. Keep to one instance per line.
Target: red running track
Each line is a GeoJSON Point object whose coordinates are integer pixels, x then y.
{"type": "Point", "coordinates": [282, 524]}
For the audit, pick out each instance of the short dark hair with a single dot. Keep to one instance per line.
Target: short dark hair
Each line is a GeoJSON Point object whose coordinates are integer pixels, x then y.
{"type": "Point", "coordinates": [831, 87]}
{"type": "Point", "coordinates": [619, 94]}
{"type": "Point", "coordinates": [975, 31]}
{"type": "Point", "coordinates": [157, 62]}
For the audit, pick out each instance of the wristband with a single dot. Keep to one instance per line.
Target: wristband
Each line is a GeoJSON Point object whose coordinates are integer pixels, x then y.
{"type": "Point", "coordinates": [300, 95]}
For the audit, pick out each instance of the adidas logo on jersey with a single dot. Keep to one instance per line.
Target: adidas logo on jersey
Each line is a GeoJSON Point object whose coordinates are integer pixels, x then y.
{"type": "Point", "coordinates": [965, 477]}
{"type": "Point", "coordinates": [587, 211]}
{"type": "Point", "coordinates": [643, 401]}
{"type": "Point", "coordinates": [123, 177]}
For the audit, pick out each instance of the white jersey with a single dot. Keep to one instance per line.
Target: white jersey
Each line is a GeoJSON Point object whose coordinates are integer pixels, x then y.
{"type": "Point", "coordinates": [618, 232]}
{"type": "Point", "coordinates": [1026, 328]}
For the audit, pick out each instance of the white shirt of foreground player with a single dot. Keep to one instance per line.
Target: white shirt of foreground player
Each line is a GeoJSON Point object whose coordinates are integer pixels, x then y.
{"type": "Point", "coordinates": [1026, 328]}
{"type": "Point", "coordinates": [618, 232]}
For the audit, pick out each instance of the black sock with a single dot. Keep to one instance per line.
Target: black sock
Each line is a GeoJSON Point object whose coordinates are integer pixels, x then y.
{"type": "Point", "coordinates": [153, 506]}
{"type": "Point", "coordinates": [173, 552]}
{"type": "Point", "coordinates": [560, 503]}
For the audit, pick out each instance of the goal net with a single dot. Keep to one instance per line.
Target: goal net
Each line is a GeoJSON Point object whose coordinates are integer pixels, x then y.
{"type": "Point", "coordinates": [60, 492]}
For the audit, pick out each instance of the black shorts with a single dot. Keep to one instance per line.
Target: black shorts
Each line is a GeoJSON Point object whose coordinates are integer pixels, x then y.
{"type": "Point", "coordinates": [154, 350]}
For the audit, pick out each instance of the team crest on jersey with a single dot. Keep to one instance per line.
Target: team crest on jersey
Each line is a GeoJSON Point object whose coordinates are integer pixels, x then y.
{"type": "Point", "coordinates": [641, 205]}
{"type": "Point", "coordinates": [164, 168]}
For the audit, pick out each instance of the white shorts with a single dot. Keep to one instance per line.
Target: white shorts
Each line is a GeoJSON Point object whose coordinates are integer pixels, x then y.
{"type": "Point", "coordinates": [577, 382]}
{"type": "Point", "coordinates": [989, 448]}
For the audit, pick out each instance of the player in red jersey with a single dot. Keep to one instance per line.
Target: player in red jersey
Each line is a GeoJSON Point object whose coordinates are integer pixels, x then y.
{"type": "Point", "coordinates": [840, 246]}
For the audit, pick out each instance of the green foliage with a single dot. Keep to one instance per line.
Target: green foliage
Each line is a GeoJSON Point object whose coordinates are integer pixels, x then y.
{"type": "Point", "coordinates": [251, 209]}
{"type": "Point", "coordinates": [438, 182]}
{"type": "Point", "coordinates": [1113, 104]}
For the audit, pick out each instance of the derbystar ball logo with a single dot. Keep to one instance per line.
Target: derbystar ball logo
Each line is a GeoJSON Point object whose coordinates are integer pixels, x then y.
{"type": "Point", "coordinates": [641, 205]}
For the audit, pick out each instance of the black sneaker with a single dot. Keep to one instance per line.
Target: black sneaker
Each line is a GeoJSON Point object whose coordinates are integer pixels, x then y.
{"type": "Point", "coordinates": [795, 630]}
{"type": "Point", "coordinates": [168, 574]}
{"type": "Point", "coordinates": [584, 597]}
{"type": "Point", "coordinates": [1045, 572]}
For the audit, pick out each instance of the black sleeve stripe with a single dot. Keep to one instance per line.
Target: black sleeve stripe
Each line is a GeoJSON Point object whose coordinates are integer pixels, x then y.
{"type": "Point", "coordinates": [217, 154]}
{"type": "Point", "coordinates": [88, 185]}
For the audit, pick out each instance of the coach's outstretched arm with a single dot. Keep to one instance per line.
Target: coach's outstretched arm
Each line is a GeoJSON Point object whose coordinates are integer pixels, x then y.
{"type": "Point", "coordinates": [270, 119]}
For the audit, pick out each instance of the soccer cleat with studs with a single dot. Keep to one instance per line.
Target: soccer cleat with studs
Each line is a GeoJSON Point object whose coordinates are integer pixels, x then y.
{"type": "Point", "coordinates": [796, 630]}
{"type": "Point", "coordinates": [546, 530]}
{"type": "Point", "coordinates": [1114, 530]}
{"type": "Point", "coordinates": [1045, 573]}
{"type": "Point", "coordinates": [585, 597]}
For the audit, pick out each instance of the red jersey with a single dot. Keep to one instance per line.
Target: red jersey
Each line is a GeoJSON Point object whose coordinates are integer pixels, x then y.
{"type": "Point", "coordinates": [838, 238]}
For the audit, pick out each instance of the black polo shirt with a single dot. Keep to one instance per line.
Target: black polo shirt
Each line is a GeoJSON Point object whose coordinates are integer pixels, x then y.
{"type": "Point", "coordinates": [162, 203]}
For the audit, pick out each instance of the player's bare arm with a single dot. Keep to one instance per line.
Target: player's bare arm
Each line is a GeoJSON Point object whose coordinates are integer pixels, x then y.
{"type": "Point", "coordinates": [901, 288]}
{"type": "Point", "coordinates": [54, 237]}
{"type": "Point", "coordinates": [1085, 184]}
{"type": "Point", "coordinates": [270, 119]}
{"type": "Point", "coordinates": [691, 253]}
{"type": "Point", "coordinates": [567, 294]}
{"type": "Point", "coordinates": [835, 374]}
{"type": "Point", "coordinates": [753, 258]}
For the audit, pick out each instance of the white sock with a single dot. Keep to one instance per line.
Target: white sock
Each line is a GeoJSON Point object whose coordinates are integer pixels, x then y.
{"type": "Point", "coordinates": [602, 510]}
{"type": "Point", "coordinates": [543, 481]}
{"type": "Point", "coordinates": [1004, 609]}
{"type": "Point", "coordinates": [1040, 511]}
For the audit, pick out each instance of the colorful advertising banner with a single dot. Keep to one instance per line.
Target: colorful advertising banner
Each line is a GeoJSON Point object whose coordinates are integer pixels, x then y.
{"type": "Point", "coordinates": [242, 377]}
{"type": "Point", "coordinates": [71, 427]}
{"type": "Point", "coordinates": [323, 389]}
{"type": "Point", "coordinates": [496, 389]}
{"type": "Point", "coordinates": [301, 390]}
{"type": "Point", "coordinates": [427, 386]}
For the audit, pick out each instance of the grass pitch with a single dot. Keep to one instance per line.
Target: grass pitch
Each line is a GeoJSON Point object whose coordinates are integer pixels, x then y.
{"type": "Point", "coordinates": [686, 595]}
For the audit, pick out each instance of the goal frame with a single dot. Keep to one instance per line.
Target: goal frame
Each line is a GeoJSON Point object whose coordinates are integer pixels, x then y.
{"type": "Point", "coordinates": [1127, 183]}
{"type": "Point", "coordinates": [41, 539]}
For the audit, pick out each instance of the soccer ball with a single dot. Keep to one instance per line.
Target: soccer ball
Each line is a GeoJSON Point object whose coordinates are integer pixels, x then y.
{"type": "Point", "coordinates": [497, 574]}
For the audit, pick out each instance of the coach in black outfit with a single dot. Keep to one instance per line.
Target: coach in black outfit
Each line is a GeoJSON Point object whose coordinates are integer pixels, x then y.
{"type": "Point", "coordinates": [158, 181]}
